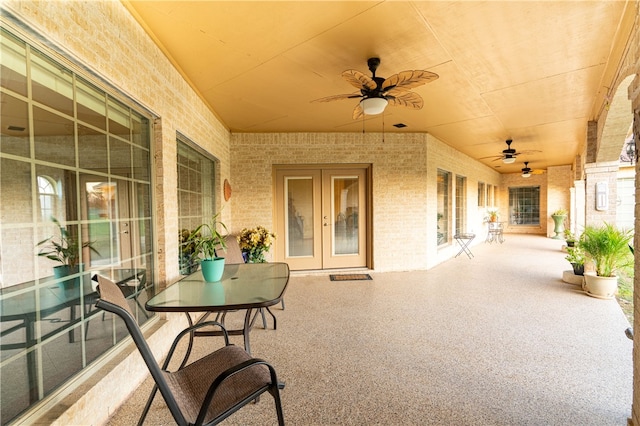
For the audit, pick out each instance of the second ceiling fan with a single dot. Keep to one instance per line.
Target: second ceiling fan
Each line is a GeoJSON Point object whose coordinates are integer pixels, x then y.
{"type": "Point", "coordinates": [509, 155]}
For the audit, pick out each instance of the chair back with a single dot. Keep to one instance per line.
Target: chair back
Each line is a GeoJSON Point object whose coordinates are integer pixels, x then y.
{"type": "Point", "coordinates": [232, 254]}
{"type": "Point", "coordinates": [112, 300]}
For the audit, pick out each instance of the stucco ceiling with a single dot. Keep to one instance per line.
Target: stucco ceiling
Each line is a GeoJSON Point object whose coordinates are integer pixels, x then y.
{"type": "Point", "coordinates": [530, 71]}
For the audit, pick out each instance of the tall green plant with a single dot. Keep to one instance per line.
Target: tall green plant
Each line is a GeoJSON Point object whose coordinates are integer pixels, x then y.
{"type": "Point", "coordinates": [206, 238]}
{"type": "Point", "coordinates": [66, 250]}
{"type": "Point", "coordinates": [608, 248]}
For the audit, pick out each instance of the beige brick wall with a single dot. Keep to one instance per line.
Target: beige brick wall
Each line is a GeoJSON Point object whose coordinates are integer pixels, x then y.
{"type": "Point", "coordinates": [404, 186]}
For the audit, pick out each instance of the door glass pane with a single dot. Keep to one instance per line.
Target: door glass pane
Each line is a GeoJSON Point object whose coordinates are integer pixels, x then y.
{"type": "Point", "coordinates": [102, 199]}
{"type": "Point", "coordinates": [299, 216]}
{"type": "Point", "coordinates": [344, 210]}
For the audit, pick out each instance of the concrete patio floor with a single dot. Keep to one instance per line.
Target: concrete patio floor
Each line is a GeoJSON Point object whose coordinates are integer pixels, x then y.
{"type": "Point", "coordinates": [498, 339]}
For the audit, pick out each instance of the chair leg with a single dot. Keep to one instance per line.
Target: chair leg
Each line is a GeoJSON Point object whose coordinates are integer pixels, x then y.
{"type": "Point", "coordinates": [148, 405]}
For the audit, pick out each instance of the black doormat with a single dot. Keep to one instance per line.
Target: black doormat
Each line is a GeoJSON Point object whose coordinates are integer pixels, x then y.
{"type": "Point", "coordinates": [350, 277]}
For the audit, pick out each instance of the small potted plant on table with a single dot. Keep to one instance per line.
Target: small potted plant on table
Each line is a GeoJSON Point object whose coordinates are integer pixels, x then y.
{"type": "Point", "coordinates": [207, 239]}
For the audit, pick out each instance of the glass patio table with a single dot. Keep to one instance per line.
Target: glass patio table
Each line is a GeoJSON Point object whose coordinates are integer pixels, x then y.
{"type": "Point", "coordinates": [244, 286]}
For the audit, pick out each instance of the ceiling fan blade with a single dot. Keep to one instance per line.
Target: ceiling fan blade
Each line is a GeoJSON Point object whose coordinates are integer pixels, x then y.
{"type": "Point", "coordinates": [406, 99]}
{"type": "Point", "coordinates": [359, 80]}
{"type": "Point", "coordinates": [358, 112]}
{"type": "Point", "coordinates": [526, 152]}
{"type": "Point", "coordinates": [338, 97]}
{"type": "Point", "coordinates": [406, 80]}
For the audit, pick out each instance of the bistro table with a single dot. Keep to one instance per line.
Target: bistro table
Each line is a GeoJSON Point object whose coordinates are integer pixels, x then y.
{"type": "Point", "coordinates": [249, 286]}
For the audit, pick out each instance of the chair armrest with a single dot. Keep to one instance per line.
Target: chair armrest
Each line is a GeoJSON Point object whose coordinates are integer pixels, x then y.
{"type": "Point", "coordinates": [190, 330]}
{"type": "Point", "coordinates": [229, 373]}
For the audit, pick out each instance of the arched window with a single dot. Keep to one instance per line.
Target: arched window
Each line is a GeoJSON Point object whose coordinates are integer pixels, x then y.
{"type": "Point", "coordinates": [47, 196]}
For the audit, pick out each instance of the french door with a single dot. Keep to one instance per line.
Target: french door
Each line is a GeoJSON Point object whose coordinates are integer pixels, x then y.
{"type": "Point", "coordinates": [322, 217]}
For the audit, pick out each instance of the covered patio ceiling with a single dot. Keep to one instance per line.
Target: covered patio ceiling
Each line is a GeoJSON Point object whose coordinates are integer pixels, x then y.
{"type": "Point", "coordinates": [532, 71]}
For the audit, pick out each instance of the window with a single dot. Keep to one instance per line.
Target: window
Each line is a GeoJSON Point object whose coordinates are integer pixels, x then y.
{"type": "Point", "coordinates": [461, 204]}
{"type": "Point", "coordinates": [524, 205]}
{"type": "Point", "coordinates": [88, 155]}
{"type": "Point", "coordinates": [491, 195]}
{"type": "Point", "coordinates": [47, 196]}
{"type": "Point", "coordinates": [196, 198]}
{"type": "Point", "coordinates": [482, 200]}
{"type": "Point", "coordinates": [444, 189]}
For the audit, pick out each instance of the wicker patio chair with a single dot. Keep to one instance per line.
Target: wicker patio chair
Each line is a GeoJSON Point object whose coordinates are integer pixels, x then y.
{"type": "Point", "coordinates": [209, 389]}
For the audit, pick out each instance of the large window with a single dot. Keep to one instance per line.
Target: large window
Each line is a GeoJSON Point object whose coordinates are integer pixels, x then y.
{"type": "Point", "coordinates": [196, 198]}
{"type": "Point", "coordinates": [482, 200]}
{"type": "Point", "coordinates": [524, 205]}
{"type": "Point", "coordinates": [461, 204]}
{"type": "Point", "coordinates": [444, 215]}
{"type": "Point", "coordinates": [72, 152]}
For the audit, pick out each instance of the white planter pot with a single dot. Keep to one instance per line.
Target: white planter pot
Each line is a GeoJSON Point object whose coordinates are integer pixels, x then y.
{"type": "Point", "coordinates": [600, 287]}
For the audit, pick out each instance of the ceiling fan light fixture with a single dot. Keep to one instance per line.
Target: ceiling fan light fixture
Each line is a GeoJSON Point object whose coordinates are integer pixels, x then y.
{"type": "Point", "coordinates": [509, 159]}
{"type": "Point", "coordinates": [373, 106]}
{"type": "Point", "coordinates": [526, 174]}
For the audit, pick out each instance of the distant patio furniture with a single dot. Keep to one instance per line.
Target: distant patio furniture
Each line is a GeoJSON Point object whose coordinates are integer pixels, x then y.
{"type": "Point", "coordinates": [495, 232]}
{"type": "Point", "coordinates": [464, 240]}
{"type": "Point", "coordinates": [207, 390]}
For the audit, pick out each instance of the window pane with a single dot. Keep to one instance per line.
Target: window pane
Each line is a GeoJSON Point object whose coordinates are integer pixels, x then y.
{"type": "Point", "coordinates": [13, 69]}
{"type": "Point", "coordinates": [461, 204]}
{"type": "Point", "coordinates": [51, 84]}
{"type": "Point", "coordinates": [91, 104]}
{"type": "Point", "coordinates": [120, 157]}
{"type": "Point", "coordinates": [14, 136]}
{"type": "Point", "coordinates": [196, 198]}
{"type": "Point", "coordinates": [15, 192]}
{"type": "Point", "coordinates": [524, 206]}
{"type": "Point", "coordinates": [444, 185]}
{"type": "Point", "coordinates": [53, 134]}
{"type": "Point", "coordinates": [92, 149]}
{"type": "Point", "coordinates": [119, 122]}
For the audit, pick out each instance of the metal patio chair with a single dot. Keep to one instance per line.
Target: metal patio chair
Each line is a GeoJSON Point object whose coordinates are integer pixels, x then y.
{"type": "Point", "coordinates": [209, 389]}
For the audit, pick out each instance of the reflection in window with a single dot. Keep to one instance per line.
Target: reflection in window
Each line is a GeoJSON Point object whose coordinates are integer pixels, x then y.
{"type": "Point", "coordinates": [47, 197]}
{"type": "Point", "coordinates": [196, 199]}
{"type": "Point", "coordinates": [444, 189]}
{"type": "Point", "coordinates": [48, 307]}
{"type": "Point", "coordinates": [524, 205]}
{"type": "Point", "coordinates": [482, 194]}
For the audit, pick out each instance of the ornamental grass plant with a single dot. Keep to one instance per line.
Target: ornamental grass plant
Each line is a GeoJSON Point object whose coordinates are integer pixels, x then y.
{"type": "Point", "coordinates": [608, 248]}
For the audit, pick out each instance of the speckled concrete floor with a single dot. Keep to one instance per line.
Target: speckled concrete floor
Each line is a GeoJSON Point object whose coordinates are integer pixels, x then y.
{"type": "Point", "coordinates": [494, 340]}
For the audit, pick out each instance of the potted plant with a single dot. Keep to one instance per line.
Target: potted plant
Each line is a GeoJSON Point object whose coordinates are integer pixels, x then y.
{"type": "Point", "coordinates": [558, 217]}
{"type": "Point", "coordinates": [65, 251]}
{"type": "Point", "coordinates": [188, 258]}
{"type": "Point", "coordinates": [207, 239]}
{"type": "Point", "coordinates": [570, 238]}
{"type": "Point", "coordinates": [254, 243]}
{"type": "Point", "coordinates": [492, 216]}
{"type": "Point", "coordinates": [575, 256]}
{"type": "Point", "coordinates": [608, 248]}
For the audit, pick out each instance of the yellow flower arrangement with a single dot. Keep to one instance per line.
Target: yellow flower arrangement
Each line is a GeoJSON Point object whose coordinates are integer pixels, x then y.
{"type": "Point", "coordinates": [255, 243]}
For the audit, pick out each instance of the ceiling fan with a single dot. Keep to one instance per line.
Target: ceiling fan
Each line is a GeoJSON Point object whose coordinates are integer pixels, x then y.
{"type": "Point", "coordinates": [528, 171]}
{"type": "Point", "coordinates": [509, 155]}
{"type": "Point", "coordinates": [377, 92]}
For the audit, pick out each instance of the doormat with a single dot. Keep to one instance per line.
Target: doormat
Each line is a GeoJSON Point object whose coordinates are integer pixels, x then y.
{"type": "Point", "coordinates": [350, 277]}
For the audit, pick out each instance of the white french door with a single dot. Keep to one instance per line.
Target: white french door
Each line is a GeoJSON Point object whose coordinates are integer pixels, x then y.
{"type": "Point", "coordinates": [321, 217]}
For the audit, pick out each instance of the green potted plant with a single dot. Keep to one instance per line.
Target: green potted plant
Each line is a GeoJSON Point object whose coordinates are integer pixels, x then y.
{"type": "Point", "coordinates": [188, 258]}
{"type": "Point", "coordinates": [558, 217]}
{"type": "Point", "coordinates": [207, 239]}
{"type": "Point", "coordinates": [608, 248]}
{"type": "Point", "coordinates": [570, 238]}
{"type": "Point", "coordinates": [65, 251]}
{"type": "Point", "coordinates": [575, 256]}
